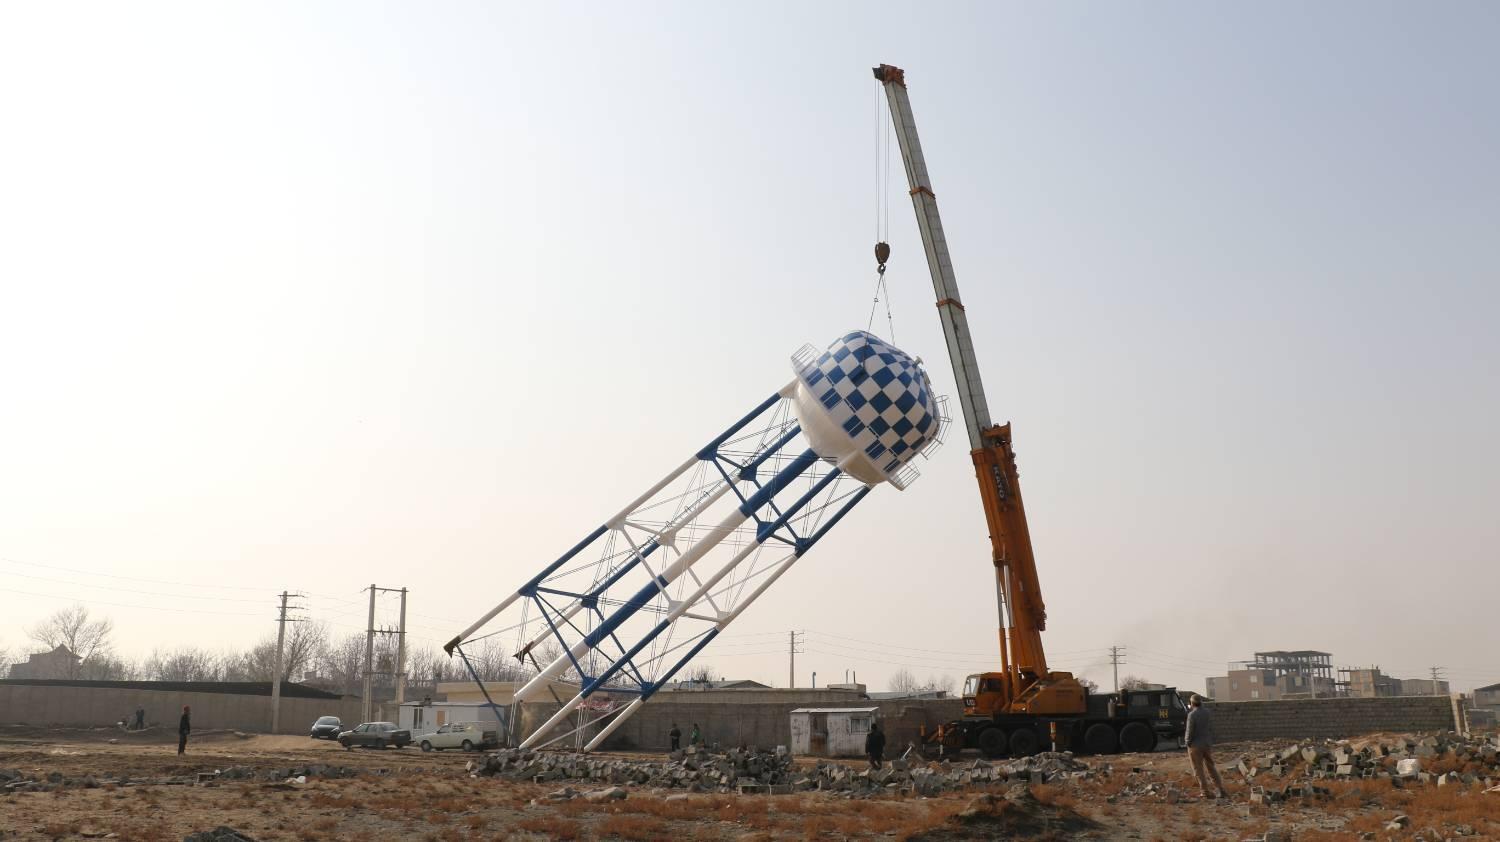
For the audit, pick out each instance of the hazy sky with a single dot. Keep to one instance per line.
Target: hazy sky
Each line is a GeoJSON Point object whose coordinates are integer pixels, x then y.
{"type": "Point", "coordinates": [311, 296]}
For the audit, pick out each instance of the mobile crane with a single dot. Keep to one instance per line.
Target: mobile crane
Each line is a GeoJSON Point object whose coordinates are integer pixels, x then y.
{"type": "Point", "coordinates": [1024, 705]}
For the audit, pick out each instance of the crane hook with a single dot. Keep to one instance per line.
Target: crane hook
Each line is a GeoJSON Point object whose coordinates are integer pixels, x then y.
{"type": "Point", "coordinates": [882, 254]}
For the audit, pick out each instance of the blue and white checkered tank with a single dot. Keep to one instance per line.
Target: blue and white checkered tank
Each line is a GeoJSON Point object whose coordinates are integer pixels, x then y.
{"type": "Point", "coordinates": [868, 406]}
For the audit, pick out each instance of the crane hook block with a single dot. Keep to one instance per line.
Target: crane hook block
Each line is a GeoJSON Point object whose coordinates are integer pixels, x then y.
{"type": "Point", "coordinates": [882, 254]}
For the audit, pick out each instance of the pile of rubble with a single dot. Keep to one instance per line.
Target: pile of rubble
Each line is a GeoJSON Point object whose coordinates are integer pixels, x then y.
{"type": "Point", "coordinates": [1464, 761]}
{"type": "Point", "coordinates": [692, 769]}
{"type": "Point", "coordinates": [752, 771]}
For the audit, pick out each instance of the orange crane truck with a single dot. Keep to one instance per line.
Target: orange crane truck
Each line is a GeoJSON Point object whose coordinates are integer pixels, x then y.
{"type": "Point", "coordinates": [1024, 706]}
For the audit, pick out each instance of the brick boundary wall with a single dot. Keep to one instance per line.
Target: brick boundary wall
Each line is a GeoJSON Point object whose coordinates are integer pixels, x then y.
{"type": "Point", "coordinates": [90, 707]}
{"type": "Point", "coordinates": [1333, 718]}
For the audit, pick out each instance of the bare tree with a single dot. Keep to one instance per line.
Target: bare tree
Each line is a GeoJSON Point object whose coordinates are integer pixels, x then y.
{"type": "Point", "coordinates": [72, 628]}
{"type": "Point", "coordinates": [1131, 682]}
{"type": "Point", "coordinates": [259, 664]}
{"type": "Point", "coordinates": [1089, 684]}
{"type": "Point", "coordinates": [344, 663]}
{"type": "Point", "coordinates": [938, 685]}
{"type": "Point", "coordinates": [702, 674]}
{"type": "Point", "coordinates": [307, 639]}
{"type": "Point", "coordinates": [186, 664]}
{"type": "Point", "coordinates": [106, 667]}
{"type": "Point", "coordinates": [902, 681]}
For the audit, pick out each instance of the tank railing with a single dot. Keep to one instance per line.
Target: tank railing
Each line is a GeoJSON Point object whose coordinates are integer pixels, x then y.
{"type": "Point", "coordinates": [803, 358]}
{"type": "Point", "coordinates": [940, 403]}
{"type": "Point", "coordinates": [905, 474]}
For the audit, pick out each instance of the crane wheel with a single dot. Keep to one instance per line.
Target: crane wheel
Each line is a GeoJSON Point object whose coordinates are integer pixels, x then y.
{"type": "Point", "coordinates": [1100, 739]}
{"type": "Point", "coordinates": [1137, 737]}
{"type": "Point", "coordinates": [1024, 742]}
{"type": "Point", "coordinates": [991, 742]}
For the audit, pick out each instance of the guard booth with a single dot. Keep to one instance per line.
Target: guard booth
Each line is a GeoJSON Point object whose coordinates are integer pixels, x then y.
{"type": "Point", "coordinates": [832, 732]}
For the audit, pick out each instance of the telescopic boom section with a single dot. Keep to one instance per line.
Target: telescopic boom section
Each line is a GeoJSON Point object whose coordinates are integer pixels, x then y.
{"type": "Point", "coordinates": [1016, 583]}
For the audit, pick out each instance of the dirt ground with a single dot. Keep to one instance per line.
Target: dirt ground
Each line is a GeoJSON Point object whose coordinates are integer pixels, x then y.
{"type": "Point", "coordinates": [406, 794]}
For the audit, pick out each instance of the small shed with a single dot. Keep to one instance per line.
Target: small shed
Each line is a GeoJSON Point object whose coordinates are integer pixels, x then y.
{"type": "Point", "coordinates": [425, 717]}
{"type": "Point", "coordinates": [832, 732]}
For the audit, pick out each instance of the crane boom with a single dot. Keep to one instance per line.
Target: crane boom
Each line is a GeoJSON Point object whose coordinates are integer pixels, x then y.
{"type": "Point", "coordinates": [935, 243]}
{"type": "Point", "coordinates": [1028, 686]}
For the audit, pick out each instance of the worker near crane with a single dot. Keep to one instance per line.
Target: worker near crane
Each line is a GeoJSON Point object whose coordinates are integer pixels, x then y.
{"type": "Point", "coordinates": [1200, 743]}
{"type": "Point", "coordinates": [875, 745]}
{"type": "Point", "coordinates": [676, 735]}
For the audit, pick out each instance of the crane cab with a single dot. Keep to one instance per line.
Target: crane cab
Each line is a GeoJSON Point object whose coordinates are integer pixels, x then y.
{"type": "Point", "coordinates": [986, 694]}
{"type": "Point", "coordinates": [1055, 694]}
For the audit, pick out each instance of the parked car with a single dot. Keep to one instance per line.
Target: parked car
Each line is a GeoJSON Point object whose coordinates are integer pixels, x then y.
{"type": "Point", "coordinates": [327, 728]}
{"type": "Point", "coordinates": [376, 735]}
{"type": "Point", "coordinates": [468, 736]}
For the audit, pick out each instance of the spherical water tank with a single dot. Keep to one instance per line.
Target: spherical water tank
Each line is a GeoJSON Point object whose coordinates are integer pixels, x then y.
{"type": "Point", "coordinates": [866, 406]}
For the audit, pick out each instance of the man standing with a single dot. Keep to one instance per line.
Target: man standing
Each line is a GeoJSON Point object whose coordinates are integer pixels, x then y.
{"type": "Point", "coordinates": [1200, 743]}
{"type": "Point", "coordinates": [696, 737]}
{"type": "Point", "coordinates": [676, 735]}
{"type": "Point", "coordinates": [875, 745]}
{"type": "Point", "coordinates": [184, 727]}
{"type": "Point", "coordinates": [140, 719]}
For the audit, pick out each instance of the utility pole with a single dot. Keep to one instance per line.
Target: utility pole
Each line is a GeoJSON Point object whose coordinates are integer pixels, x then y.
{"type": "Point", "coordinates": [397, 671]}
{"type": "Point", "coordinates": [791, 671]}
{"type": "Point", "coordinates": [369, 656]}
{"type": "Point", "coordinates": [1116, 656]}
{"type": "Point", "coordinates": [281, 622]}
{"type": "Point", "coordinates": [401, 656]}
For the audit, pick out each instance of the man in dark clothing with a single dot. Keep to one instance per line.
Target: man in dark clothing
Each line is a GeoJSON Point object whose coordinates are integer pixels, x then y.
{"type": "Point", "coordinates": [1200, 743]}
{"type": "Point", "coordinates": [140, 719]}
{"type": "Point", "coordinates": [184, 727]}
{"type": "Point", "coordinates": [875, 745]}
{"type": "Point", "coordinates": [676, 735]}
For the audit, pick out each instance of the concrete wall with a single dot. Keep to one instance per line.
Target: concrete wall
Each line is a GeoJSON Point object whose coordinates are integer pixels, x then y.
{"type": "Point", "coordinates": [23, 704]}
{"type": "Point", "coordinates": [1307, 718]}
{"type": "Point", "coordinates": [728, 720]}
{"type": "Point", "coordinates": [768, 724]}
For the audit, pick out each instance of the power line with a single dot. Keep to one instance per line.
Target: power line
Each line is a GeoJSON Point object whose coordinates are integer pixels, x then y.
{"type": "Point", "coordinates": [75, 598]}
{"type": "Point", "coordinates": [990, 654]}
{"type": "Point", "coordinates": [9, 560]}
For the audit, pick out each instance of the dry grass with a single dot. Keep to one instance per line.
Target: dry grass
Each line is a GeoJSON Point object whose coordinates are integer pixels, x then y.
{"type": "Point", "coordinates": [553, 827]}
{"type": "Point", "coordinates": [634, 827]}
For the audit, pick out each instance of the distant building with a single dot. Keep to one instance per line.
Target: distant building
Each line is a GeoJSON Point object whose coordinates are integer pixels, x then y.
{"type": "Point", "coordinates": [1488, 698]}
{"type": "Point", "coordinates": [60, 663]}
{"type": "Point", "coordinates": [1216, 687]}
{"type": "Point", "coordinates": [718, 684]}
{"type": "Point", "coordinates": [1368, 683]}
{"type": "Point", "coordinates": [899, 694]}
{"type": "Point", "coordinates": [1423, 687]}
{"type": "Point", "coordinates": [1301, 674]}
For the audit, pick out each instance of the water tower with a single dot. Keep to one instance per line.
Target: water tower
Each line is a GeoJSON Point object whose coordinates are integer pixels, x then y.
{"type": "Point", "coordinates": [649, 588]}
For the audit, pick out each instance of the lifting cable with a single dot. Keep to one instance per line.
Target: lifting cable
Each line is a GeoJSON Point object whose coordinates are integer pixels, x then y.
{"type": "Point", "coordinates": [882, 213]}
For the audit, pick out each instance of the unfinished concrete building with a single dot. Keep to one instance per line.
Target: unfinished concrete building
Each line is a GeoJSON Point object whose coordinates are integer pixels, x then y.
{"type": "Point", "coordinates": [1368, 683]}
{"type": "Point", "coordinates": [1303, 674]}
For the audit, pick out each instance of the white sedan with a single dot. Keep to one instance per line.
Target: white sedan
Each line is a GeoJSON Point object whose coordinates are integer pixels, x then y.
{"type": "Point", "coordinates": [464, 735]}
